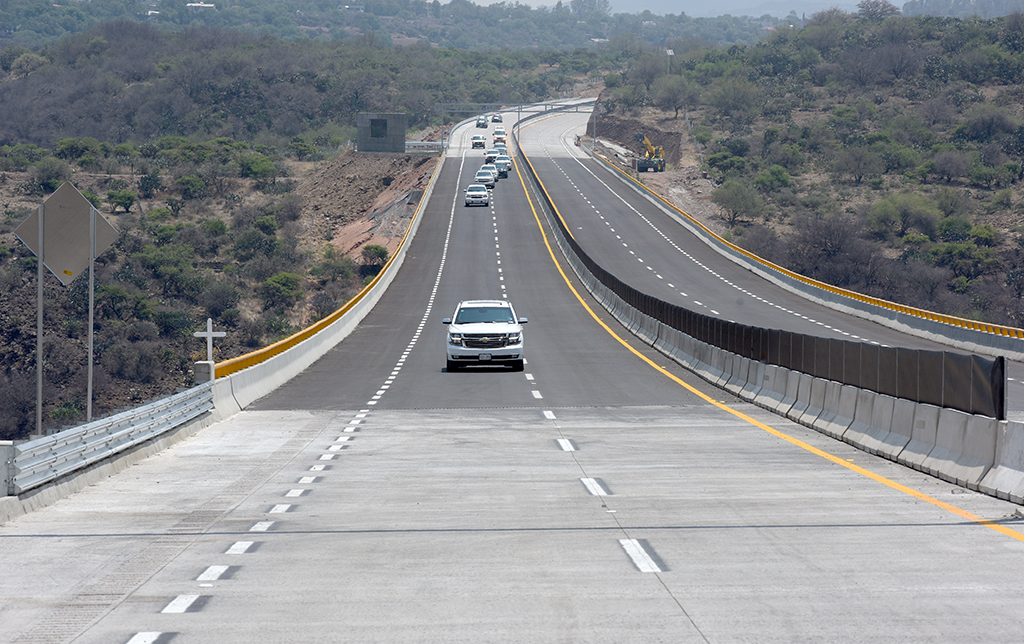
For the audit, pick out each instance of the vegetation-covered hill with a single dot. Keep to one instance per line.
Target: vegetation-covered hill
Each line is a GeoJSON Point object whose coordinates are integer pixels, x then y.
{"type": "Point", "coordinates": [459, 23]}
{"type": "Point", "coordinates": [878, 152]}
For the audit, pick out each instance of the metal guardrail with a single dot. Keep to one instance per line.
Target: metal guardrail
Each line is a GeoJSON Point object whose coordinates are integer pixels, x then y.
{"type": "Point", "coordinates": [424, 146]}
{"type": "Point", "coordinates": [45, 459]}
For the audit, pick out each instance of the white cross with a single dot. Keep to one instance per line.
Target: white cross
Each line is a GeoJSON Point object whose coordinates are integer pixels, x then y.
{"type": "Point", "coordinates": [209, 334]}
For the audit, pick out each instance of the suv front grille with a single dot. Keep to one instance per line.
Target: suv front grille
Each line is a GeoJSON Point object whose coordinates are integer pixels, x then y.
{"type": "Point", "coordinates": [484, 340]}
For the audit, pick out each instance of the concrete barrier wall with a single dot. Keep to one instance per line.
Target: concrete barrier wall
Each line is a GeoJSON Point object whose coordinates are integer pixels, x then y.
{"type": "Point", "coordinates": [972, 451]}
{"type": "Point", "coordinates": [961, 337]}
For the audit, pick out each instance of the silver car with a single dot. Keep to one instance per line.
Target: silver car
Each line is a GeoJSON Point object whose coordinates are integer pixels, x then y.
{"type": "Point", "coordinates": [485, 177]}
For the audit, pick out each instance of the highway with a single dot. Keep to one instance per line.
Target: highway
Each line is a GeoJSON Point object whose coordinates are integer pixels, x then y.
{"type": "Point", "coordinates": [603, 495]}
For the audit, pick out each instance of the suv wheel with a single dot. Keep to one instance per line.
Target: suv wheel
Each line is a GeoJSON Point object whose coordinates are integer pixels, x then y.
{"type": "Point", "coordinates": [517, 365]}
{"type": "Point", "coordinates": [452, 366]}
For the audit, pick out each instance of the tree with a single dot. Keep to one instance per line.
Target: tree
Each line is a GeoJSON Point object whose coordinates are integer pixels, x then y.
{"type": "Point", "coordinates": [671, 92]}
{"type": "Point", "coordinates": [858, 162]}
{"type": "Point", "coordinates": [50, 173]}
{"type": "Point", "coordinates": [876, 10]}
{"type": "Point", "coordinates": [739, 199]}
{"type": "Point", "coordinates": [949, 165]}
{"type": "Point", "coordinates": [121, 198]}
{"type": "Point", "coordinates": [734, 97]}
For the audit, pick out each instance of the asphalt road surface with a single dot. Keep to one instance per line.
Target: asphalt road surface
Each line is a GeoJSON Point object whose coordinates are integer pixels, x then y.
{"type": "Point", "coordinates": [603, 495]}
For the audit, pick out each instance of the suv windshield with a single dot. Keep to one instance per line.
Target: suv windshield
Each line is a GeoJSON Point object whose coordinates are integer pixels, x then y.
{"type": "Point", "coordinates": [484, 314]}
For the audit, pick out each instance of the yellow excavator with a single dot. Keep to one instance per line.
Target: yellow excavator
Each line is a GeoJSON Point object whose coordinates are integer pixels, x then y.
{"type": "Point", "coordinates": [653, 159]}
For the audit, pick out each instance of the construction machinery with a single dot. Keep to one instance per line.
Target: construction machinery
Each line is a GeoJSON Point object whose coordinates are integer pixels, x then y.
{"type": "Point", "coordinates": [653, 158]}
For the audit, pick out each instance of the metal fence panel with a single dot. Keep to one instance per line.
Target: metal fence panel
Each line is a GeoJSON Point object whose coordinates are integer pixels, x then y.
{"type": "Point", "coordinates": [957, 373]}
{"type": "Point", "coordinates": [907, 373]}
{"type": "Point", "coordinates": [887, 373]}
{"type": "Point", "coordinates": [929, 377]}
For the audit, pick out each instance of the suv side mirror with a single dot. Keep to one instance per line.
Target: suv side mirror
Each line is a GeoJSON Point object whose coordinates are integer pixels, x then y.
{"type": "Point", "coordinates": [523, 320]}
{"type": "Point", "coordinates": [446, 321]}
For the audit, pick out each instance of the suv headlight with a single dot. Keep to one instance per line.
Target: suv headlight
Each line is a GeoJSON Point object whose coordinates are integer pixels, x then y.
{"type": "Point", "coordinates": [455, 338]}
{"type": "Point", "coordinates": [515, 337]}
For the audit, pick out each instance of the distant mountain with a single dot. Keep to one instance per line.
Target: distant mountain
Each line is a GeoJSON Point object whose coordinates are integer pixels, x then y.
{"type": "Point", "coordinates": [777, 8]}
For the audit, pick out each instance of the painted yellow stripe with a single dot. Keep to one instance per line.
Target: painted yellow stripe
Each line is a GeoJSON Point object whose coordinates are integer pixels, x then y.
{"type": "Point", "coordinates": [756, 423]}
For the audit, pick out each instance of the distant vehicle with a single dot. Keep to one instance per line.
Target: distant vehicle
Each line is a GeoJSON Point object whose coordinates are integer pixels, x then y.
{"type": "Point", "coordinates": [491, 155]}
{"type": "Point", "coordinates": [502, 150]}
{"type": "Point", "coordinates": [479, 141]}
{"type": "Point", "coordinates": [485, 177]}
{"type": "Point", "coordinates": [496, 118]}
{"type": "Point", "coordinates": [500, 130]}
{"type": "Point", "coordinates": [493, 169]}
{"type": "Point", "coordinates": [484, 332]}
{"type": "Point", "coordinates": [481, 121]}
{"type": "Point", "coordinates": [476, 194]}
{"type": "Point", "coordinates": [499, 138]}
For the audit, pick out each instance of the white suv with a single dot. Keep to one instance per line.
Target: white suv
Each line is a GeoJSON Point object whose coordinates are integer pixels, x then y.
{"type": "Point", "coordinates": [483, 332]}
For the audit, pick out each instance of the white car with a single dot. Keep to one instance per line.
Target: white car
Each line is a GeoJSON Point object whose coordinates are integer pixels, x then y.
{"type": "Point", "coordinates": [479, 141]}
{"type": "Point", "coordinates": [500, 130]}
{"type": "Point", "coordinates": [484, 332]}
{"type": "Point", "coordinates": [476, 194]}
{"type": "Point", "coordinates": [486, 177]}
{"type": "Point", "coordinates": [493, 169]}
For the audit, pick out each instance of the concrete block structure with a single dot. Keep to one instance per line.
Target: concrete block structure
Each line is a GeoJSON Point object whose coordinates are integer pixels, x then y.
{"type": "Point", "coordinates": [380, 132]}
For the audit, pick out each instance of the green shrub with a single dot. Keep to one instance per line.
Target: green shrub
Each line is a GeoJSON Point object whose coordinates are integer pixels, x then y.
{"type": "Point", "coordinates": [281, 290]}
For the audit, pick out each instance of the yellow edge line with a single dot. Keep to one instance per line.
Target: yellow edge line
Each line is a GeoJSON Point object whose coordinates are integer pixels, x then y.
{"type": "Point", "coordinates": [756, 423]}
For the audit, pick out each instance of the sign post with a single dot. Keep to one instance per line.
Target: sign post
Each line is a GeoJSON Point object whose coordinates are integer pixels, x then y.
{"type": "Point", "coordinates": [55, 235]}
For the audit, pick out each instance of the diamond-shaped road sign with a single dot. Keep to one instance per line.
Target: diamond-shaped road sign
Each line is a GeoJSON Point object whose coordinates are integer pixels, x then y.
{"type": "Point", "coordinates": [66, 233]}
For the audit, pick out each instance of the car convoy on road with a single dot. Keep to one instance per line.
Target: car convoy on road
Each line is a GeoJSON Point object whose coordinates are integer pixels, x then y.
{"type": "Point", "coordinates": [485, 332]}
{"type": "Point", "coordinates": [497, 162]}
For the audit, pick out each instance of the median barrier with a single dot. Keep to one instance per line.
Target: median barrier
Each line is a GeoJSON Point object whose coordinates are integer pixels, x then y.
{"type": "Point", "coordinates": [665, 338]}
{"type": "Point", "coordinates": [965, 448]}
{"type": "Point", "coordinates": [717, 366]}
{"type": "Point", "coordinates": [792, 390]}
{"type": "Point", "coordinates": [755, 380]}
{"type": "Point", "coordinates": [773, 388]}
{"type": "Point", "coordinates": [839, 409]}
{"type": "Point", "coordinates": [899, 427]}
{"type": "Point", "coordinates": [815, 404]}
{"type": "Point", "coordinates": [802, 399]}
{"type": "Point", "coordinates": [1006, 479]}
{"type": "Point", "coordinates": [648, 328]}
{"type": "Point", "coordinates": [946, 443]}
{"type": "Point", "coordinates": [922, 437]}
{"type": "Point", "coordinates": [860, 430]}
{"type": "Point", "coordinates": [735, 373]}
